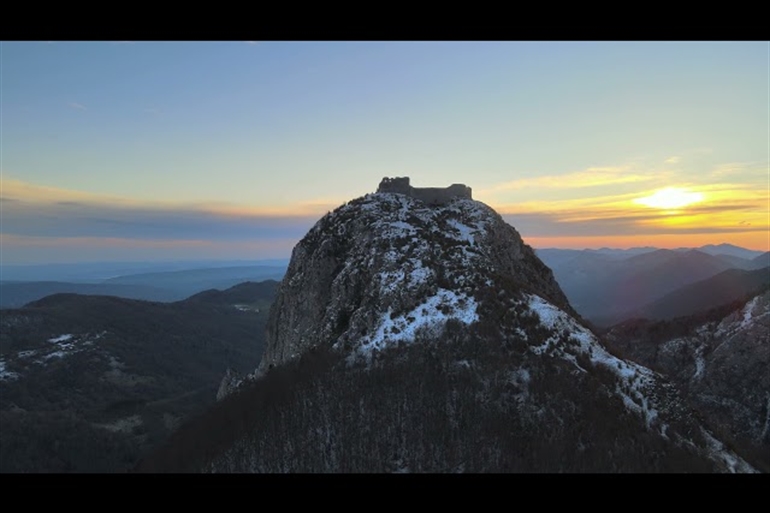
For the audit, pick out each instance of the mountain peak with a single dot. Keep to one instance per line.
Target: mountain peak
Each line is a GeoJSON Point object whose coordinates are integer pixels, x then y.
{"type": "Point", "coordinates": [385, 266]}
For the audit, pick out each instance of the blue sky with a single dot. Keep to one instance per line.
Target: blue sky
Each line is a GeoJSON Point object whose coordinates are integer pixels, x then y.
{"type": "Point", "coordinates": [233, 149]}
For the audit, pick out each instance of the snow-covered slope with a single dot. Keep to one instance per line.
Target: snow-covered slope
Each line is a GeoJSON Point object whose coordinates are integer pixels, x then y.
{"type": "Point", "coordinates": [644, 392]}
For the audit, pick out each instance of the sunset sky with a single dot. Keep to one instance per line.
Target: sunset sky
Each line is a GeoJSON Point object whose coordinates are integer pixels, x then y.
{"type": "Point", "coordinates": [232, 150]}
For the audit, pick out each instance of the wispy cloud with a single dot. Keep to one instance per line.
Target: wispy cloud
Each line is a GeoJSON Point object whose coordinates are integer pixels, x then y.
{"type": "Point", "coordinates": [34, 193]}
{"type": "Point", "coordinates": [756, 170]}
{"type": "Point", "coordinates": [76, 105]}
{"type": "Point", "coordinates": [724, 208]}
{"type": "Point", "coordinates": [672, 160]}
{"type": "Point", "coordinates": [591, 177]}
{"type": "Point", "coordinates": [51, 212]}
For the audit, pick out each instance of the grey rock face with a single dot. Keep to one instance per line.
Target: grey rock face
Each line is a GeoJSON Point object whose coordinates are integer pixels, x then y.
{"type": "Point", "coordinates": [229, 383]}
{"type": "Point", "coordinates": [385, 254]}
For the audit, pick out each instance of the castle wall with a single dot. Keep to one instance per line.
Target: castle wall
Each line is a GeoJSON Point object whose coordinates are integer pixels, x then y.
{"type": "Point", "coordinates": [440, 195]}
{"type": "Point", "coordinates": [428, 195]}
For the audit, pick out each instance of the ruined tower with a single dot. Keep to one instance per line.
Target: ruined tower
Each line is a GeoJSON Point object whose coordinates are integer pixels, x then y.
{"type": "Point", "coordinates": [428, 195]}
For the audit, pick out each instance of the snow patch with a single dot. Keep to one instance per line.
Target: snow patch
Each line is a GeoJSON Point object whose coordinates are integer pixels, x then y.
{"type": "Point", "coordinates": [60, 338]}
{"type": "Point", "coordinates": [634, 381]}
{"type": "Point", "coordinates": [5, 374]}
{"type": "Point", "coordinates": [246, 308]}
{"type": "Point", "coordinates": [747, 311]}
{"type": "Point", "coordinates": [399, 229]}
{"type": "Point", "coordinates": [734, 463]}
{"type": "Point", "coordinates": [751, 312]}
{"type": "Point", "coordinates": [433, 313]}
{"type": "Point", "coordinates": [124, 425]}
{"type": "Point", "coordinates": [66, 345]}
{"type": "Point", "coordinates": [55, 354]}
{"type": "Point", "coordinates": [465, 232]}
{"type": "Point", "coordinates": [700, 362]}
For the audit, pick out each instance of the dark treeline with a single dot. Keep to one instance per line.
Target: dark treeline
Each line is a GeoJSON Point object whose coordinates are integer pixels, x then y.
{"type": "Point", "coordinates": [451, 406]}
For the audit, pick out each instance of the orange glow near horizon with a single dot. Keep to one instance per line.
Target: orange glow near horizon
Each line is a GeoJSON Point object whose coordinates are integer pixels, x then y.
{"type": "Point", "coordinates": [676, 216]}
{"type": "Point", "coordinates": [44, 195]}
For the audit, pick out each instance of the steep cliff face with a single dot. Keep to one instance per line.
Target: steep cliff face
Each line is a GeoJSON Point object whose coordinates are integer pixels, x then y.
{"type": "Point", "coordinates": [382, 266]}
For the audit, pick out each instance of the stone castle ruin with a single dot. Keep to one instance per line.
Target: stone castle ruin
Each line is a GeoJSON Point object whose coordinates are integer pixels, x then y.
{"type": "Point", "coordinates": [428, 195]}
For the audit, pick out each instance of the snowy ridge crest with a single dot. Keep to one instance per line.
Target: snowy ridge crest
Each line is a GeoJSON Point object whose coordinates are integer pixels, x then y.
{"type": "Point", "coordinates": [638, 386]}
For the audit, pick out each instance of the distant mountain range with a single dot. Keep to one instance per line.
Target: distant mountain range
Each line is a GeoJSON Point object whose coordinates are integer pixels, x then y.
{"type": "Point", "coordinates": [96, 272]}
{"type": "Point", "coordinates": [164, 286]}
{"type": "Point", "coordinates": [609, 286]}
{"type": "Point", "coordinates": [603, 285]}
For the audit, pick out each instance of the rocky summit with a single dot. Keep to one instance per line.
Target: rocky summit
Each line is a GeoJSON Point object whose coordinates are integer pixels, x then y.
{"type": "Point", "coordinates": [425, 336]}
{"type": "Point", "coordinates": [386, 265]}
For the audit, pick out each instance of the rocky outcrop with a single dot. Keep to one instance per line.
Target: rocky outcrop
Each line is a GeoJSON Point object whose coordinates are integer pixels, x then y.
{"type": "Point", "coordinates": [386, 254]}
{"type": "Point", "coordinates": [230, 382]}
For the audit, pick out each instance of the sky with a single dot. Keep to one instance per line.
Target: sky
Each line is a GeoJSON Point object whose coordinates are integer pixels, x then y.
{"type": "Point", "coordinates": [233, 150]}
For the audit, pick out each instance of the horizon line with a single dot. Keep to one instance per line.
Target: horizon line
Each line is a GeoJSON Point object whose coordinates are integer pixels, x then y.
{"type": "Point", "coordinates": [288, 257]}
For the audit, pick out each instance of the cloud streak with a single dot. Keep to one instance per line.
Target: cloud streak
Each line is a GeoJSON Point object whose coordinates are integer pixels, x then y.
{"type": "Point", "coordinates": [77, 106]}
{"type": "Point", "coordinates": [591, 177]}
{"type": "Point", "coordinates": [30, 210]}
{"type": "Point", "coordinates": [69, 219]}
{"type": "Point", "coordinates": [726, 209]}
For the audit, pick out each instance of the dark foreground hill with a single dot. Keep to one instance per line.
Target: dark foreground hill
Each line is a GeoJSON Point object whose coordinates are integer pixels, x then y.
{"type": "Point", "coordinates": [90, 383]}
{"type": "Point", "coordinates": [416, 337]}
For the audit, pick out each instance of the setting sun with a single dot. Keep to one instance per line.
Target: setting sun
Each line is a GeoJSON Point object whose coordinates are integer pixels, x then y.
{"type": "Point", "coordinates": [669, 198]}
